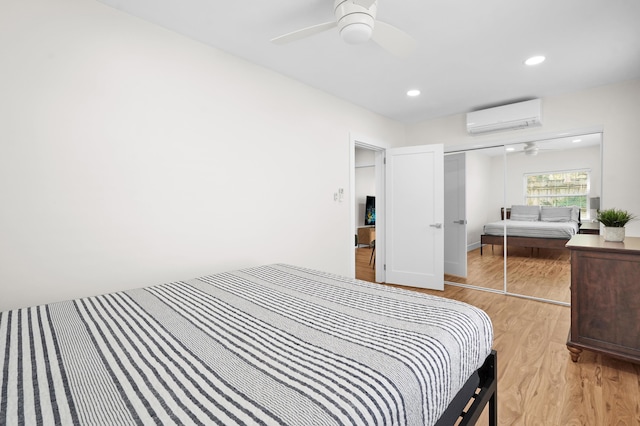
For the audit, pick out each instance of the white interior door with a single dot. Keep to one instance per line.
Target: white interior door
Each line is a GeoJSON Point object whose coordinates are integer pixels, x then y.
{"type": "Point", "coordinates": [455, 222]}
{"type": "Point", "coordinates": [414, 210]}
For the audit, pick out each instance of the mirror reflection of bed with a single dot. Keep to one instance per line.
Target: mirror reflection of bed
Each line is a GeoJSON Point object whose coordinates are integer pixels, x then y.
{"type": "Point", "coordinates": [515, 174]}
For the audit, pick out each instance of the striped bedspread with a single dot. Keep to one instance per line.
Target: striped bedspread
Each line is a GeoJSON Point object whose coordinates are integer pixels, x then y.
{"type": "Point", "coordinates": [268, 345]}
{"type": "Point", "coordinates": [536, 229]}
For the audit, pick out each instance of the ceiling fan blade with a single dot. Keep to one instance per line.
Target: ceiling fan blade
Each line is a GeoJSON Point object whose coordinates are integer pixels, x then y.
{"type": "Point", "coordinates": [393, 40]}
{"type": "Point", "coordinates": [305, 32]}
{"type": "Point", "coordinates": [365, 3]}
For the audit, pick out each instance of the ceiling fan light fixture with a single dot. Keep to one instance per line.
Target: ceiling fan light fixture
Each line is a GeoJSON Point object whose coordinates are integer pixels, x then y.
{"type": "Point", "coordinates": [535, 60]}
{"type": "Point", "coordinates": [355, 22]}
{"type": "Point", "coordinates": [356, 33]}
{"type": "Point", "coordinates": [413, 93]}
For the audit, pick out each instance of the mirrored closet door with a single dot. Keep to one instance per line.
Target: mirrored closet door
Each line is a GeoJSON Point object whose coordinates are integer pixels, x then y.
{"type": "Point", "coordinates": [557, 180]}
{"type": "Point", "coordinates": [540, 182]}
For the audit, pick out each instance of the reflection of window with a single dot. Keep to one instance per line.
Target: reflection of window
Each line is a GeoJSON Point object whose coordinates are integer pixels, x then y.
{"type": "Point", "coordinates": [558, 189]}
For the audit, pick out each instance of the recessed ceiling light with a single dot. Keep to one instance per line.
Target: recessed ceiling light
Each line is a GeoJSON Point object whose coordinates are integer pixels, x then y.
{"type": "Point", "coordinates": [413, 93]}
{"type": "Point", "coordinates": [511, 149]}
{"type": "Point", "coordinates": [535, 60]}
{"type": "Point", "coordinates": [576, 140]}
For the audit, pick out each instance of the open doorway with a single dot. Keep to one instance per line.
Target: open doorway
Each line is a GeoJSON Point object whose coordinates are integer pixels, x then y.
{"type": "Point", "coordinates": [367, 233]}
{"type": "Point", "coordinates": [409, 185]}
{"type": "Point", "coordinates": [365, 213]}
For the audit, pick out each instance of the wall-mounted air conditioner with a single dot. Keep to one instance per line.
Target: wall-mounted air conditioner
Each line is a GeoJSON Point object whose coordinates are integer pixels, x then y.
{"type": "Point", "coordinates": [506, 117]}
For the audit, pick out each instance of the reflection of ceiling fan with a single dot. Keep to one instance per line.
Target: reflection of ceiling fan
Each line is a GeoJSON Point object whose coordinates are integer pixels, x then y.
{"type": "Point", "coordinates": [530, 149]}
{"type": "Point", "coordinates": [356, 23]}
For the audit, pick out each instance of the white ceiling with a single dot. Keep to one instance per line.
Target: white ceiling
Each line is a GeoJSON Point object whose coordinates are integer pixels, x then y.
{"type": "Point", "coordinates": [470, 53]}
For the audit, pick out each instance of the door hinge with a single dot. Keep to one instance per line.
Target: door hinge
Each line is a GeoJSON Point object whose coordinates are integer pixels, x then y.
{"type": "Point", "coordinates": [384, 160]}
{"type": "Point", "coordinates": [385, 266]}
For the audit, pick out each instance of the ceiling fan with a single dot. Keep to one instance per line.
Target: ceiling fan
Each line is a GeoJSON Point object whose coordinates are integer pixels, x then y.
{"type": "Point", "coordinates": [356, 23]}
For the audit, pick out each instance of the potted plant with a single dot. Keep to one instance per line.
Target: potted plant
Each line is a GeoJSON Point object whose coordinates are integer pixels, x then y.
{"type": "Point", "coordinates": [614, 221]}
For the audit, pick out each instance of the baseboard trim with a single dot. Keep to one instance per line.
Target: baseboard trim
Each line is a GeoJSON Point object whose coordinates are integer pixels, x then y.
{"type": "Point", "coordinates": [473, 246]}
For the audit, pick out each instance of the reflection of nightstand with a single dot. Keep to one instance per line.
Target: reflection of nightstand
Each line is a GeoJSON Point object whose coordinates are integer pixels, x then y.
{"type": "Point", "coordinates": [590, 228]}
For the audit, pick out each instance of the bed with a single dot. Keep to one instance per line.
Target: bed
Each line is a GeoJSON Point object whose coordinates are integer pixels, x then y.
{"type": "Point", "coordinates": [274, 344]}
{"type": "Point", "coordinates": [534, 227]}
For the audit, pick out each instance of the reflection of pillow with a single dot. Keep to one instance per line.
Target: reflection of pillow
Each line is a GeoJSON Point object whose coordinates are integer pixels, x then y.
{"type": "Point", "coordinates": [557, 214]}
{"type": "Point", "coordinates": [575, 214]}
{"type": "Point", "coordinates": [527, 213]}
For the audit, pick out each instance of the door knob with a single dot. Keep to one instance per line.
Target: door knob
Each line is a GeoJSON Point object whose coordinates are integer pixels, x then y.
{"type": "Point", "coordinates": [436, 225]}
{"type": "Point", "coordinates": [460, 222]}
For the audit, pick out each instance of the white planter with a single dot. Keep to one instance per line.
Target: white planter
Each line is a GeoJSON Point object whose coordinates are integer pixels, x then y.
{"type": "Point", "coordinates": [615, 234]}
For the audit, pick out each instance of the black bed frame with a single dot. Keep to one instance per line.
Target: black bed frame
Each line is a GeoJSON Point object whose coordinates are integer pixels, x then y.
{"type": "Point", "coordinates": [487, 392]}
{"type": "Point", "coordinates": [470, 401]}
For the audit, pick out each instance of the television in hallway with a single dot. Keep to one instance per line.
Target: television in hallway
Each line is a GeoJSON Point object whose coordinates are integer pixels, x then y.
{"type": "Point", "coordinates": [370, 211]}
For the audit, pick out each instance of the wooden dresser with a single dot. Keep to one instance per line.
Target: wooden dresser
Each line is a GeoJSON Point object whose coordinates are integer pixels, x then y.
{"type": "Point", "coordinates": [605, 297]}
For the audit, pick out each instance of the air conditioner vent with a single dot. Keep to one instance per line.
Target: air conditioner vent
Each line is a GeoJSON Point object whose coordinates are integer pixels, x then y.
{"type": "Point", "coordinates": [507, 117]}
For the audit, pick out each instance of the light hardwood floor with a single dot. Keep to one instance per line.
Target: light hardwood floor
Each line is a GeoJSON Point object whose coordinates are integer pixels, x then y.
{"type": "Point", "coordinates": [538, 384]}
{"type": "Point", "coordinates": [364, 265]}
{"type": "Point", "coordinates": [542, 273]}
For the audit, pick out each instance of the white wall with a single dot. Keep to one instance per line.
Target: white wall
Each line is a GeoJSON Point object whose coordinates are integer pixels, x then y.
{"type": "Point", "coordinates": [130, 155]}
{"type": "Point", "coordinates": [615, 107]}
